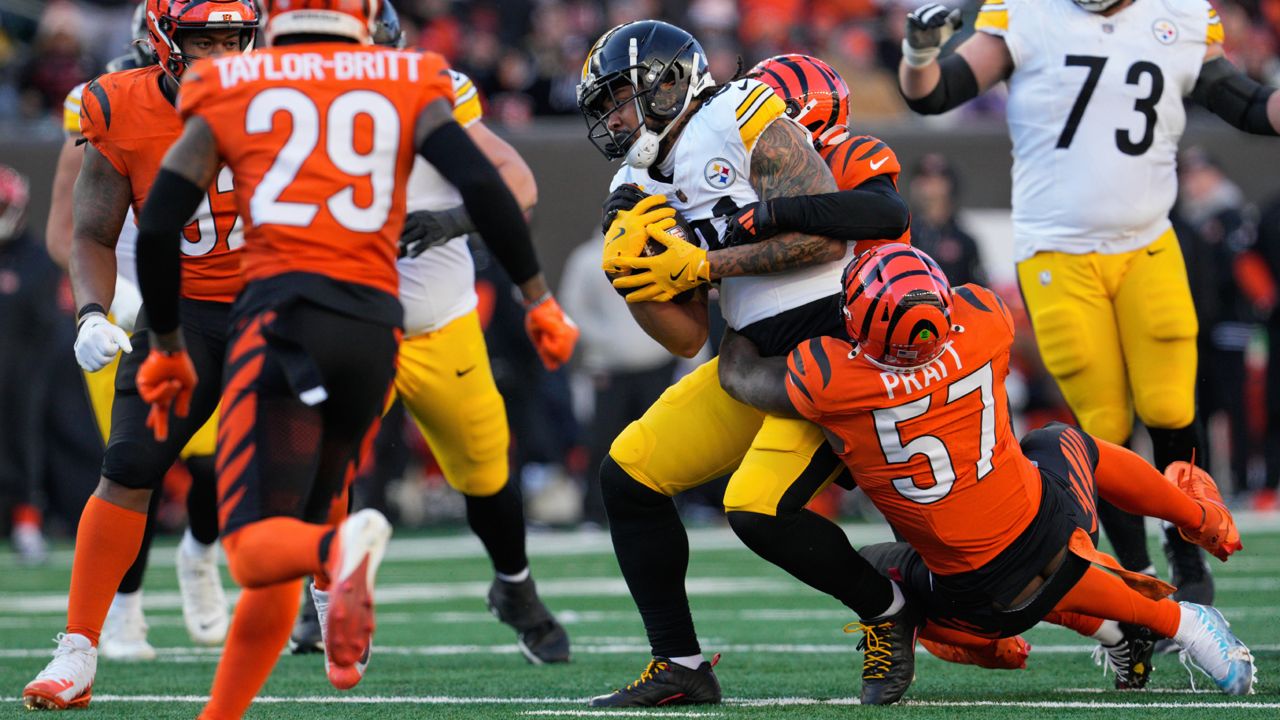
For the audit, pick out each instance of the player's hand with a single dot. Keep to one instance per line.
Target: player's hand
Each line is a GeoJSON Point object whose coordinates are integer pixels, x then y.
{"type": "Point", "coordinates": [626, 235]}
{"type": "Point", "coordinates": [680, 267]}
{"type": "Point", "coordinates": [553, 333]}
{"type": "Point", "coordinates": [751, 224]}
{"type": "Point", "coordinates": [98, 341]}
{"type": "Point", "coordinates": [929, 27]}
{"type": "Point", "coordinates": [426, 229]}
{"type": "Point", "coordinates": [165, 381]}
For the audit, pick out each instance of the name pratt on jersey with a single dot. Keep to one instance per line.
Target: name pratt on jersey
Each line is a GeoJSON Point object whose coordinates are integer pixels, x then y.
{"type": "Point", "coordinates": [359, 66]}
{"type": "Point", "coordinates": [910, 382]}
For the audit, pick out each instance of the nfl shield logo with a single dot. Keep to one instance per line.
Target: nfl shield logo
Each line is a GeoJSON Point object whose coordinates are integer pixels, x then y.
{"type": "Point", "coordinates": [719, 174]}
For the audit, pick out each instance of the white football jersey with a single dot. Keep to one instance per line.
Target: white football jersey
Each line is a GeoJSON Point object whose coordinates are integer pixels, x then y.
{"type": "Point", "coordinates": [1095, 114]}
{"type": "Point", "coordinates": [705, 177]}
{"type": "Point", "coordinates": [439, 286]}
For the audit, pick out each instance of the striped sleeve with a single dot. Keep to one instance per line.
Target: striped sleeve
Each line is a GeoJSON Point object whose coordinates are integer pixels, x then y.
{"type": "Point", "coordinates": [71, 110]}
{"type": "Point", "coordinates": [809, 377]}
{"type": "Point", "coordinates": [466, 99]}
{"type": "Point", "coordinates": [993, 18]}
{"type": "Point", "coordinates": [1214, 34]}
{"type": "Point", "coordinates": [759, 107]}
{"type": "Point", "coordinates": [860, 158]}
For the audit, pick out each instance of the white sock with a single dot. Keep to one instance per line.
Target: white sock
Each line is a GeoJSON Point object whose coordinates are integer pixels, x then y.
{"type": "Point", "coordinates": [127, 603]}
{"type": "Point", "coordinates": [898, 601]}
{"type": "Point", "coordinates": [693, 662]}
{"type": "Point", "coordinates": [1186, 626]}
{"type": "Point", "coordinates": [1110, 633]}
{"type": "Point", "coordinates": [191, 547]}
{"type": "Point", "coordinates": [516, 578]}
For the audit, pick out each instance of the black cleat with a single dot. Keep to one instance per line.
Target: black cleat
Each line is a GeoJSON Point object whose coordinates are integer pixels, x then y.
{"type": "Point", "coordinates": [306, 638]}
{"type": "Point", "coordinates": [666, 683]}
{"type": "Point", "coordinates": [889, 656]}
{"type": "Point", "coordinates": [1129, 659]}
{"type": "Point", "coordinates": [539, 636]}
{"type": "Point", "coordinates": [1190, 573]}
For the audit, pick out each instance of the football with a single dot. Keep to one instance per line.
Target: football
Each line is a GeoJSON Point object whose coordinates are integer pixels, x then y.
{"type": "Point", "coordinates": [682, 229]}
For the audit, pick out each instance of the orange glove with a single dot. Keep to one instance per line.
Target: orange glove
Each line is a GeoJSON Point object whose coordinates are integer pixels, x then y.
{"type": "Point", "coordinates": [166, 380]}
{"type": "Point", "coordinates": [552, 332]}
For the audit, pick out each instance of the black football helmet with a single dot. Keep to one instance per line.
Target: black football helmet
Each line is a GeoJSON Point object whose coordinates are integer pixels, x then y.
{"type": "Point", "coordinates": [665, 68]}
{"type": "Point", "coordinates": [386, 27]}
{"type": "Point", "coordinates": [140, 53]}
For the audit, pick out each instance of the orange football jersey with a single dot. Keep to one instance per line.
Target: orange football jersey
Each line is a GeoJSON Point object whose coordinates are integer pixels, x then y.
{"type": "Point", "coordinates": [130, 121]}
{"type": "Point", "coordinates": [856, 160]}
{"type": "Point", "coordinates": [934, 449]}
{"type": "Point", "coordinates": [320, 138]}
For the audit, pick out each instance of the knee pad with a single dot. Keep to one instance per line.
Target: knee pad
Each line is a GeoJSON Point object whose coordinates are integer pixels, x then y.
{"type": "Point", "coordinates": [135, 464]}
{"type": "Point", "coordinates": [1166, 407]}
{"type": "Point", "coordinates": [1168, 311]}
{"type": "Point", "coordinates": [1114, 425]}
{"type": "Point", "coordinates": [1064, 344]}
{"type": "Point", "coordinates": [633, 446]}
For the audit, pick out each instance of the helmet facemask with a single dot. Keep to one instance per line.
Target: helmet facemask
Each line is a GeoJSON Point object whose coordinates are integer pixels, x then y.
{"type": "Point", "coordinates": [1096, 6]}
{"type": "Point", "coordinates": [171, 33]}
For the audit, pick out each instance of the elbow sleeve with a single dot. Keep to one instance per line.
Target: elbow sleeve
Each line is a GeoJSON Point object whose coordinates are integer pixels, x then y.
{"type": "Point", "coordinates": [171, 202]}
{"type": "Point", "coordinates": [1233, 96]}
{"type": "Point", "coordinates": [956, 86]}
{"type": "Point", "coordinates": [488, 202]}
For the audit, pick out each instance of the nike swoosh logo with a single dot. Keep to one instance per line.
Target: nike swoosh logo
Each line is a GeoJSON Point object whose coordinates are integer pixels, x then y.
{"type": "Point", "coordinates": [678, 274]}
{"type": "Point", "coordinates": [876, 165]}
{"type": "Point", "coordinates": [621, 231]}
{"type": "Point", "coordinates": [464, 372]}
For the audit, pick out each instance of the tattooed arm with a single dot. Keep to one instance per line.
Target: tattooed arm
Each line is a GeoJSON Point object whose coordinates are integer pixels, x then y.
{"type": "Point", "coordinates": [783, 164]}
{"type": "Point", "coordinates": [754, 380]}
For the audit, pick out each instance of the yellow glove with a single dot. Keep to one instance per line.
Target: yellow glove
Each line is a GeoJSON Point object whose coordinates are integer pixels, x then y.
{"type": "Point", "coordinates": [682, 266]}
{"type": "Point", "coordinates": [626, 236]}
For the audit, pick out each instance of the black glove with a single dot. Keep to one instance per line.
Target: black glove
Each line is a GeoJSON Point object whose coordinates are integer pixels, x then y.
{"type": "Point", "coordinates": [751, 224]}
{"type": "Point", "coordinates": [623, 198]}
{"type": "Point", "coordinates": [929, 27]}
{"type": "Point", "coordinates": [428, 228]}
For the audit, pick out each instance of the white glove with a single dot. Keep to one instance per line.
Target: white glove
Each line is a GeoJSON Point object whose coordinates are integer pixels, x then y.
{"type": "Point", "coordinates": [126, 303]}
{"type": "Point", "coordinates": [98, 341]}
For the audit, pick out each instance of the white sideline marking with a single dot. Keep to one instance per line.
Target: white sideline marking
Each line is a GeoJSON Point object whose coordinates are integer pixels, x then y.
{"type": "Point", "coordinates": [618, 713]}
{"type": "Point", "coordinates": [741, 702]}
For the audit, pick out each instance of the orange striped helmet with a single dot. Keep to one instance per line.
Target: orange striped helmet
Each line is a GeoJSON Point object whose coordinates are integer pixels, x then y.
{"type": "Point", "coordinates": [897, 306]}
{"type": "Point", "coordinates": [816, 96]}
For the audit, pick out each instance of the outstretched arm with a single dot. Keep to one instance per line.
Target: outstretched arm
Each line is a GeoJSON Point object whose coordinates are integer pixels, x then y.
{"type": "Point", "coordinates": [932, 86]}
{"type": "Point", "coordinates": [752, 379]}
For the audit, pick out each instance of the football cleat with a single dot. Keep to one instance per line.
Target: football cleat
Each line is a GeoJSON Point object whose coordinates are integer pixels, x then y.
{"type": "Point", "coordinates": [204, 602]}
{"type": "Point", "coordinates": [357, 550]}
{"type": "Point", "coordinates": [308, 634]}
{"type": "Point", "coordinates": [67, 681]}
{"type": "Point", "coordinates": [889, 656]}
{"type": "Point", "coordinates": [1003, 654]}
{"type": "Point", "coordinates": [664, 682]}
{"type": "Point", "coordinates": [1217, 532]}
{"type": "Point", "coordinates": [124, 632]}
{"type": "Point", "coordinates": [538, 635]}
{"type": "Point", "coordinates": [1215, 651]}
{"type": "Point", "coordinates": [1129, 659]}
{"type": "Point", "coordinates": [343, 678]}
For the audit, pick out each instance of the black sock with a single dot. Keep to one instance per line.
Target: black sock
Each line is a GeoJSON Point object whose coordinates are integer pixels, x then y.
{"type": "Point", "coordinates": [1128, 536]}
{"type": "Point", "coordinates": [817, 552]}
{"type": "Point", "coordinates": [202, 499]}
{"type": "Point", "coordinates": [498, 520]}
{"type": "Point", "coordinates": [653, 553]}
{"type": "Point", "coordinates": [132, 579]}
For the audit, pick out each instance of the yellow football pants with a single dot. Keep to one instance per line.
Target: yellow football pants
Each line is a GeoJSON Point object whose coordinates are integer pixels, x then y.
{"type": "Point", "coordinates": [695, 433]}
{"type": "Point", "coordinates": [1118, 333]}
{"type": "Point", "coordinates": [446, 384]}
{"type": "Point", "coordinates": [102, 390]}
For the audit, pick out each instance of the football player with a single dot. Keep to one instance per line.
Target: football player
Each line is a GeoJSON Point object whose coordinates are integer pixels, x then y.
{"type": "Point", "coordinates": [204, 604]}
{"type": "Point", "coordinates": [321, 131]}
{"type": "Point", "coordinates": [443, 375]}
{"type": "Point", "coordinates": [711, 150]}
{"type": "Point", "coordinates": [1000, 535]}
{"type": "Point", "coordinates": [129, 119]}
{"type": "Point", "coordinates": [1095, 112]}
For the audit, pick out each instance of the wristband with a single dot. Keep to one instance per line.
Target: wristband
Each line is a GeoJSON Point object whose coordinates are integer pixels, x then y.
{"type": "Point", "coordinates": [918, 57]}
{"type": "Point", "coordinates": [88, 309]}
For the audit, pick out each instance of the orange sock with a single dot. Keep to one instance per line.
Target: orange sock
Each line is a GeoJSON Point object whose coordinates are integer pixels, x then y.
{"type": "Point", "coordinates": [1103, 595]}
{"type": "Point", "coordinates": [275, 550]}
{"type": "Point", "coordinates": [107, 543]}
{"type": "Point", "coordinates": [1131, 484]}
{"type": "Point", "coordinates": [1086, 625]}
{"type": "Point", "coordinates": [259, 630]}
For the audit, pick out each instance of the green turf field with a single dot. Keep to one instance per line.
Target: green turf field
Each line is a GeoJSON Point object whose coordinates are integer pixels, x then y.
{"type": "Point", "coordinates": [438, 654]}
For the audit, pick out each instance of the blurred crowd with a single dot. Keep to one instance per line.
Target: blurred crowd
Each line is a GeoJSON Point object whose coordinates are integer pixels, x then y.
{"type": "Point", "coordinates": [526, 55]}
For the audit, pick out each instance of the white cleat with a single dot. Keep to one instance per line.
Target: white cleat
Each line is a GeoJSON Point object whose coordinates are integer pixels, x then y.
{"type": "Point", "coordinates": [357, 550]}
{"type": "Point", "coordinates": [204, 602]}
{"type": "Point", "coordinates": [343, 678]}
{"type": "Point", "coordinates": [1214, 650]}
{"type": "Point", "coordinates": [67, 681]}
{"type": "Point", "coordinates": [124, 632]}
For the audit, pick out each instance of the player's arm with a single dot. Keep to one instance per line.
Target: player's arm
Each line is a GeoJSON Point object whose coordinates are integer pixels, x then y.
{"type": "Point", "coordinates": [871, 211]}
{"type": "Point", "coordinates": [1235, 97]}
{"type": "Point", "coordinates": [427, 228]}
{"type": "Point", "coordinates": [752, 379]}
{"type": "Point", "coordinates": [497, 217]}
{"type": "Point", "coordinates": [932, 86]}
{"type": "Point", "coordinates": [59, 229]}
{"type": "Point", "coordinates": [682, 328]}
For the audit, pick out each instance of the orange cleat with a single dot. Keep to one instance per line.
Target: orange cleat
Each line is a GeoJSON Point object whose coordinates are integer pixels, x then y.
{"type": "Point", "coordinates": [1217, 532]}
{"type": "Point", "coordinates": [67, 682]}
{"type": "Point", "coordinates": [1004, 654]}
{"type": "Point", "coordinates": [357, 550]}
